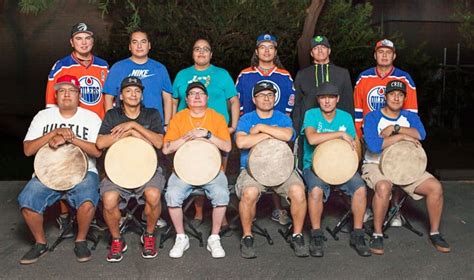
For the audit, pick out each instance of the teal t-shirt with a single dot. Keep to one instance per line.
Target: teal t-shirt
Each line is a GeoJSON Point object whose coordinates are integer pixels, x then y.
{"type": "Point", "coordinates": [314, 118]}
{"type": "Point", "coordinates": [218, 82]}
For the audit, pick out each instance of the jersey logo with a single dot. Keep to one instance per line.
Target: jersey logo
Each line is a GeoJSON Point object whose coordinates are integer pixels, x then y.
{"type": "Point", "coordinates": [91, 90]}
{"type": "Point", "coordinates": [142, 74]}
{"type": "Point", "coordinates": [278, 92]}
{"type": "Point", "coordinates": [375, 98]}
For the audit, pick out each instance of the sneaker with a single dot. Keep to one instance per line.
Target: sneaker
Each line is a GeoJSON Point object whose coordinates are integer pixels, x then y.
{"type": "Point", "coordinates": [32, 256]}
{"type": "Point", "coordinates": [181, 244]}
{"type": "Point", "coordinates": [281, 216]}
{"type": "Point", "coordinates": [376, 245]}
{"type": "Point", "coordinates": [63, 225]}
{"type": "Point", "coordinates": [396, 221]}
{"type": "Point", "coordinates": [440, 244]}
{"type": "Point", "coordinates": [117, 248]}
{"type": "Point", "coordinates": [214, 246]}
{"type": "Point", "coordinates": [297, 243]}
{"type": "Point", "coordinates": [160, 223]}
{"type": "Point", "coordinates": [316, 243]}
{"type": "Point", "coordinates": [358, 243]}
{"type": "Point", "coordinates": [83, 254]}
{"type": "Point", "coordinates": [149, 246]}
{"type": "Point", "coordinates": [368, 215]}
{"type": "Point", "coordinates": [247, 250]}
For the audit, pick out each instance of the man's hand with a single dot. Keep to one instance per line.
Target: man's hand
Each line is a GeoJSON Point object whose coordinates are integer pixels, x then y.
{"type": "Point", "coordinates": [66, 133]}
{"type": "Point", "coordinates": [411, 139]}
{"type": "Point", "coordinates": [195, 133]}
{"type": "Point", "coordinates": [256, 129]}
{"type": "Point", "coordinates": [231, 130]}
{"type": "Point", "coordinates": [57, 141]}
{"type": "Point", "coordinates": [386, 132]}
{"type": "Point", "coordinates": [119, 130]}
{"type": "Point", "coordinates": [346, 137]}
{"type": "Point", "coordinates": [134, 133]}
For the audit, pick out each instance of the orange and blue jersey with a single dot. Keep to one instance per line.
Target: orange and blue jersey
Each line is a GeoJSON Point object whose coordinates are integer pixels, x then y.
{"type": "Point", "coordinates": [281, 80]}
{"type": "Point", "coordinates": [91, 80]}
{"type": "Point", "coordinates": [369, 93]}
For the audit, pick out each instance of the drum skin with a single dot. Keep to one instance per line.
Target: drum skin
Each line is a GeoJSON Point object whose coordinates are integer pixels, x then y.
{"type": "Point", "coordinates": [197, 162]}
{"type": "Point", "coordinates": [403, 162]}
{"type": "Point", "coordinates": [130, 162]}
{"type": "Point", "coordinates": [335, 162]}
{"type": "Point", "coordinates": [62, 168]}
{"type": "Point", "coordinates": [271, 162]}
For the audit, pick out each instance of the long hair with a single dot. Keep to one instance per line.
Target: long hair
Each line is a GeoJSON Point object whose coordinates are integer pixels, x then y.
{"type": "Point", "coordinates": [276, 61]}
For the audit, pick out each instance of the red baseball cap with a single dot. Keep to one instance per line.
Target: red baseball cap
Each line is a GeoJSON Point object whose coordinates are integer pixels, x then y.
{"type": "Point", "coordinates": [66, 79]}
{"type": "Point", "coordinates": [385, 43]}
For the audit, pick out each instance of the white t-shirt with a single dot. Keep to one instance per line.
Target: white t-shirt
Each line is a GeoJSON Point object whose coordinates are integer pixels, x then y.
{"type": "Point", "coordinates": [85, 125]}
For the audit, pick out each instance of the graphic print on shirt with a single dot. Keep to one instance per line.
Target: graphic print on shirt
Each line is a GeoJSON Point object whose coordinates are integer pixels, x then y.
{"type": "Point", "coordinates": [91, 90]}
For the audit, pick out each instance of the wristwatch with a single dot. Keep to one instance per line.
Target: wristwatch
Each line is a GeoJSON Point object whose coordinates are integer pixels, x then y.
{"type": "Point", "coordinates": [396, 129]}
{"type": "Point", "coordinates": [209, 134]}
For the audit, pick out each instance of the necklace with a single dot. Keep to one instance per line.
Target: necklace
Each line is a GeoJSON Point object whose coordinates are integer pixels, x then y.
{"type": "Point", "coordinates": [199, 124]}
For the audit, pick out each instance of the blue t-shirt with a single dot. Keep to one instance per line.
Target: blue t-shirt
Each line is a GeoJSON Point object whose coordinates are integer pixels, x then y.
{"type": "Point", "coordinates": [281, 80]}
{"type": "Point", "coordinates": [218, 82]}
{"type": "Point", "coordinates": [376, 121]}
{"type": "Point", "coordinates": [314, 118]}
{"type": "Point", "coordinates": [249, 120]}
{"type": "Point", "coordinates": [154, 77]}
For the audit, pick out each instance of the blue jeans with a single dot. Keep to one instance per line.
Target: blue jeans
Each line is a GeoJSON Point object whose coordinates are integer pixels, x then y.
{"type": "Point", "coordinates": [349, 188]}
{"type": "Point", "coordinates": [217, 191]}
{"type": "Point", "coordinates": [37, 197]}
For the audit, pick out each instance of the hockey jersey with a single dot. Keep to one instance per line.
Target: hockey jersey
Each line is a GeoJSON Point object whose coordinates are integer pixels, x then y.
{"type": "Point", "coordinates": [281, 80]}
{"type": "Point", "coordinates": [369, 93]}
{"type": "Point", "coordinates": [91, 80]}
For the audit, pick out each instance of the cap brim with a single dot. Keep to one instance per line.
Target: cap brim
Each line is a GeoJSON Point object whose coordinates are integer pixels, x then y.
{"type": "Point", "coordinates": [88, 32]}
{"type": "Point", "coordinates": [57, 85]}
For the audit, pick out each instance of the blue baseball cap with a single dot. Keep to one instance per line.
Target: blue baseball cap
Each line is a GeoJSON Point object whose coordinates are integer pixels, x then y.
{"type": "Point", "coordinates": [266, 38]}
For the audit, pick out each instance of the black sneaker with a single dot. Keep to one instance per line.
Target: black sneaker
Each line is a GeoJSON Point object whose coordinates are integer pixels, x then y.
{"type": "Point", "coordinates": [117, 247]}
{"type": "Point", "coordinates": [64, 225]}
{"type": "Point", "coordinates": [440, 244]}
{"type": "Point", "coordinates": [297, 243]}
{"type": "Point", "coordinates": [32, 256]}
{"type": "Point", "coordinates": [376, 245]}
{"type": "Point", "coordinates": [247, 250]}
{"type": "Point", "coordinates": [83, 254]}
{"type": "Point", "coordinates": [358, 243]}
{"type": "Point", "coordinates": [316, 243]}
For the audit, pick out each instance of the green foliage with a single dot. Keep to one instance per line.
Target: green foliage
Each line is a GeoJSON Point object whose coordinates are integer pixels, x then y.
{"type": "Point", "coordinates": [34, 6]}
{"type": "Point", "coordinates": [464, 14]}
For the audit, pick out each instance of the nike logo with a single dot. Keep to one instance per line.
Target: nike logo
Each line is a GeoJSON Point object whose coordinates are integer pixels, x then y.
{"type": "Point", "coordinates": [142, 74]}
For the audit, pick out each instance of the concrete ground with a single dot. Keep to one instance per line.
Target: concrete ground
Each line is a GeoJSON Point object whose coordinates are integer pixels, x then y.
{"type": "Point", "coordinates": [407, 256]}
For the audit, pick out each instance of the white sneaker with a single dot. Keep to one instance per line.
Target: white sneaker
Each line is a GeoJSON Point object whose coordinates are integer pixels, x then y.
{"type": "Point", "coordinates": [160, 223]}
{"type": "Point", "coordinates": [368, 215]}
{"type": "Point", "coordinates": [214, 246]}
{"type": "Point", "coordinates": [181, 244]}
{"type": "Point", "coordinates": [396, 221]}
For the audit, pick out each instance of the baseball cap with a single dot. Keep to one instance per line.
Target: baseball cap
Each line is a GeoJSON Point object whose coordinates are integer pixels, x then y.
{"type": "Point", "coordinates": [385, 43]}
{"type": "Point", "coordinates": [196, 85]}
{"type": "Point", "coordinates": [320, 40]}
{"type": "Point", "coordinates": [266, 38]}
{"type": "Point", "coordinates": [263, 85]}
{"type": "Point", "coordinates": [327, 89]}
{"type": "Point", "coordinates": [79, 28]}
{"type": "Point", "coordinates": [67, 80]}
{"type": "Point", "coordinates": [396, 85]}
{"type": "Point", "coordinates": [131, 81]}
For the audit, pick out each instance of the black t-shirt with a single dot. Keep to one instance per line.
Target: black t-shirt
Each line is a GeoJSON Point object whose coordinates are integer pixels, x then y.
{"type": "Point", "coordinates": [149, 118]}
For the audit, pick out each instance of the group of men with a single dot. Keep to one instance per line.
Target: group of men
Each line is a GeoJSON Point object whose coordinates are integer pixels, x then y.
{"type": "Point", "coordinates": [136, 98]}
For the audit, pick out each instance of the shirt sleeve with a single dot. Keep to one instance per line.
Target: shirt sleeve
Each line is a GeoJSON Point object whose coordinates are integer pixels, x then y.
{"type": "Point", "coordinates": [416, 123]}
{"type": "Point", "coordinates": [167, 87]}
{"type": "Point", "coordinates": [308, 121]}
{"type": "Point", "coordinates": [238, 88]}
{"type": "Point", "coordinates": [35, 130]}
{"type": "Point", "coordinates": [94, 128]}
{"type": "Point", "coordinates": [228, 85]}
{"type": "Point", "coordinates": [50, 96]}
{"type": "Point", "coordinates": [172, 133]}
{"type": "Point", "coordinates": [111, 85]}
{"type": "Point", "coordinates": [286, 122]}
{"type": "Point", "coordinates": [107, 124]}
{"type": "Point", "coordinates": [411, 104]}
{"type": "Point", "coordinates": [156, 123]}
{"type": "Point", "coordinates": [372, 138]}
{"type": "Point", "coordinates": [222, 129]}
{"type": "Point", "coordinates": [350, 126]}
{"type": "Point", "coordinates": [291, 96]}
{"type": "Point", "coordinates": [358, 110]}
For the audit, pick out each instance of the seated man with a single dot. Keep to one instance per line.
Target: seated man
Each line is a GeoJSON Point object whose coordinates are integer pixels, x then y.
{"type": "Point", "coordinates": [386, 127]}
{"type": "Point", "coordinates": [56, 126]}
{"type": "Point", "coordinates": [254, 127]}
{"type": "Point", "coordinates": [131, 119]}
{"type": "Point", "coordinates": [197, 121]}
{"type": "Point", "coordinates": [320, 125]}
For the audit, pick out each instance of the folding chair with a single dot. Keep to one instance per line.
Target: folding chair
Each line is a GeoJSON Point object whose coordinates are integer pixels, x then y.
{"type": "Point", "coordinates": [344, 220]}
{"type": "Point", "coordinates": [396, 209]}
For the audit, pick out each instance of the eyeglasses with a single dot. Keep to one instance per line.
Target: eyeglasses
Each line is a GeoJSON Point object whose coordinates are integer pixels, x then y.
{"type": "Point", "coordinates": [263, 47]}
{"type": "Point", "coordinates": [70, 90]}
{"type": "Point", "coordinates": [203, 49]}
{"type": "Point", "coordinates": [195, 93]}
{"type": "Point", "coordinates": [265, 95]}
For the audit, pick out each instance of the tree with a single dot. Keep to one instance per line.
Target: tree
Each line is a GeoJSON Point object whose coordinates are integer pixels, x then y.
{"type": "Point", "coordinates": [304, 45]}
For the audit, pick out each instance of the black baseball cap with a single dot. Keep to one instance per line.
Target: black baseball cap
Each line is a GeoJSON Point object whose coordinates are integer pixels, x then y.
{"type": "Point", "coordinates": [327, 89]}
{"type": "Point", "coordinates": [396, 85]}
{"type": "Point", "coordinates": [131, 81]}
{"type": "Point", "coordinates": [196, 85]}
{"type": "Point", "coordinates": [263, 85]}
{"type": "Point", "coordinates": [80, 28]}
{"type": "Point", "coordinates": [320, 40]}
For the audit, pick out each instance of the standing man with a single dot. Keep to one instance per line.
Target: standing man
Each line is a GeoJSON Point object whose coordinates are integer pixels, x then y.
{"type": "Point", "coordinates": [66, 124]}
{"type": "Point", "coordinates": [197, 121]}
{"type": "Point", "coordinates": [131, 119]}
{"type": "Point", "coordinates": [383, 128]}
{"type": "Point", "coordinates": [153, 74]}
{"type": "Point", "coordinates": [88, 68]}
{"type": "Point", "coordinates": [266, 66]}
{"type": "Point", "coordinates": [309, 79]}
{"type": "Point", "coordinates": [254, 127]}
{"type": "Point", "coordinates": [320, 125]}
